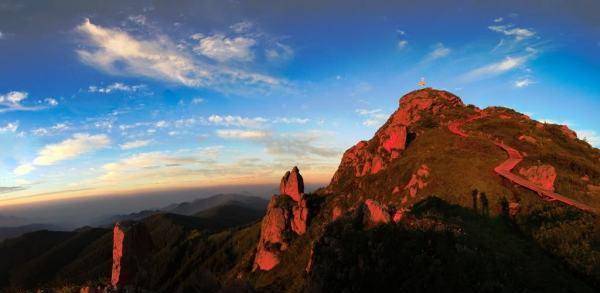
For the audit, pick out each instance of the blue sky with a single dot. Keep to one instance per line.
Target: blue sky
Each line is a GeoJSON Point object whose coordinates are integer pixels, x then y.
{"type": "Point", "coordinates": [106, 96]}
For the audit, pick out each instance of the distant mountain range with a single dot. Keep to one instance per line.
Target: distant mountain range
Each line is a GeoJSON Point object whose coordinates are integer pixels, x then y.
{"type": "Point", "coordinates": [192, 208]}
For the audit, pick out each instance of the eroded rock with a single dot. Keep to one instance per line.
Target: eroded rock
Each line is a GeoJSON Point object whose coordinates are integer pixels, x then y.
{"type": "Point", "coordinates": [300, 212]}
{"type": "Point", "coordinates": [568, 132]}
{"type": "Point", "coordinates": [273, 235]}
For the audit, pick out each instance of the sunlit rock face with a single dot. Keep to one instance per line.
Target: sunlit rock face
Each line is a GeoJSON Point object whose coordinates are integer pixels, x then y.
{"type": "Point", "coordinates": [288, 214]}
{"type": "Point", "coordinates": [543, 175]}
{"type": "Point", "coordinates": [131, 244]}
{"type": "Point", "coordinates": [377, 213]}
{"type": "Point", "coordinates": [292, 184]}
{"type": "Point", "coordinates": [370, 157]}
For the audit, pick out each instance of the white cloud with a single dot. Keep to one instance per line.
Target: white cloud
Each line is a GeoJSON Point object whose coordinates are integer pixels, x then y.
{"type": "Point", "coordinates": [373, 117]}
{"type": "Point", "coordinates": [54, 129]}
{"type": "Point", "coordinates": [222, 48]}
{"type": "Point", "coordinates": [439, 51]}
{"type": "Point", "coordinates": [523, 82]}
{"type": "Point", "coordinates": [196, 101]}
{"type": "Point", "coordinates": [241, 134]}
{"type": "Point", "coordinates": [10, 127]}
{"type": "Point", "coordinates": [51, 101]}
{"type": "Point", "coordinates": [509, 63]}
{"type": "Point", "coordinates": [279, 52]}
{"type": "Point", "coordinates": [117, 52]}
{"type": "Point", "coordinates": [135, 144]}
{"type": "Point", "coordinates": [286, 120]}
{"type": "Point", "coordinates": [79, 144]}
{"type": "Point", "coordinates": [499, 19]}
{"type": "Point", "coordinates": [591, 136]}
{"type": "Point", "coordinates": [1, 35]}
{"type": "Point", "coordinates": [401, 44]}
{"type": "Point", "coordinates": [516, 32]}
{"type": "Point", "coordinates": [11, 101]}
{"type": "Point", "coordinates": [242, 27]}
{"type": "Point", "coordinates": [117, 86]}
{"type": "Point", "coordinates": [23, 169]}
{"type": "Point", "coordinates": [236, 121]}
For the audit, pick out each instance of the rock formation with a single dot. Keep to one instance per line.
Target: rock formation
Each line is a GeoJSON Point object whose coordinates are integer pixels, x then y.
{"type": "Point", "coordinates": [287, 213]}
{"type": "Point", "coordinates": [542, 176]}
{"type": "Point", "coordinates": [376, 213]}
{"type": "Point", "coordinates": [528, 139]}
{"type": "Point", "coordinates": [131, 244]}
{"type": "Point", "coordinates": [292, 184]}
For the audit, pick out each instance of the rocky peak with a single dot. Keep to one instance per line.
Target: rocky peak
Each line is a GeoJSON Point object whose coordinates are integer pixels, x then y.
{"type": "Point", "coordinates": [292, 184]}
{"type": "Point", "coordinates": [370, 157]}
{"type": "Point", "coordinates": [131, 244]}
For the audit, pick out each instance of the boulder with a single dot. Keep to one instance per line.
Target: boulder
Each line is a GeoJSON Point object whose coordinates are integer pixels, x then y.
{"type": "Point", "coordinates": [543, 175]}
{"type": "Point", "coordinates": [131, 244]}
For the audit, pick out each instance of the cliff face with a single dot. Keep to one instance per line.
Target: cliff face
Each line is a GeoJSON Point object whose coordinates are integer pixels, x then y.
{"type": "Point", "coordinates": [131, 244]}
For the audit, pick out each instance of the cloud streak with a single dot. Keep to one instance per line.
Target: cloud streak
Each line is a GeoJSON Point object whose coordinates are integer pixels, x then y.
{"type": "Point", "coordinates": [117, 52]}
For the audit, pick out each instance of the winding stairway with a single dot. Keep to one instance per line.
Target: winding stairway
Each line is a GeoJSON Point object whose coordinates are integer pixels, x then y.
{"type": "Point", "coordinates": [514, 158]}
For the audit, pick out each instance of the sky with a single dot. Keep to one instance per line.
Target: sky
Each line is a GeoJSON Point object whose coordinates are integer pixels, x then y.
{"type": "Point", "coordinates": [102, 96]}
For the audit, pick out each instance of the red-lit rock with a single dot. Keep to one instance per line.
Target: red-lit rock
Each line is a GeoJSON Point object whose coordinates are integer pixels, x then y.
{"type": "Point", "coordinates": [398, 215]}
{"type": "Point", "coordinates": [418, 180]}
{"type": "Point", "coordinates": [513, 209]}
{"type": "Point", "coordinates": [336, 213]}
{"type": "Point", "coordinates": [273, 233]}
{"type": "Point", "coordinates": [542, 176]}
{"type": "Point", "coordinates": [300, 220]}
{"type": "Point", "coordinates": [377, 213]}
{"type": "Point", "coordinates": [131, 244]}
{"type": "Point", "coordinates": [292, 184]}
{"type": "Point", "coordinates": [585, 178]}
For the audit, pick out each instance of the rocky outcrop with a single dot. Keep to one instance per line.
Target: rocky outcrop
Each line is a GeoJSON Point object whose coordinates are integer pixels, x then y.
{"type": "Point", "coordinates": [528, 139]}
{"type": "Point", "coordinates": [292, 184]}
{"type": "Point", "coordinates": [287, 214]}
{"type": "Point", "coordinates": [131, 244]}
{"type": "Point", "coordinates": [376, 213]}
{"type": "Point", "coordinates": [418, 180]}
{"type": "Point", "coordinates": [568, 132]}
{"type": "Point", "coordinates": [370, 157]}
{"type": "Point", "coordinates": [542, 176]}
